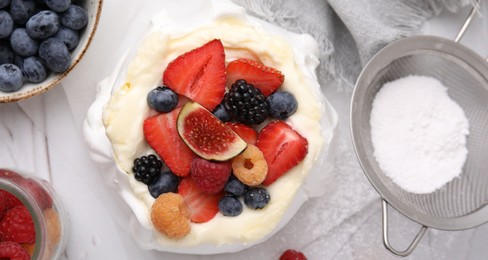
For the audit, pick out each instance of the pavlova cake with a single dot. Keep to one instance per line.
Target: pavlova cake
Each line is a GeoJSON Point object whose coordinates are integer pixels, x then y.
{"type": "Point", "coordinates": [216, 128]}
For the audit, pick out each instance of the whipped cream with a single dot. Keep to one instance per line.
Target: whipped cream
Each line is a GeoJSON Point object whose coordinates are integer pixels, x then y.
{"type": "Point", "coordinates": [122, 98]}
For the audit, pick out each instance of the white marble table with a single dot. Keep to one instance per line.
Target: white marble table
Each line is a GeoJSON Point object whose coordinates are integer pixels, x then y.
{"type": "Point", "coordinates": [43, 135]}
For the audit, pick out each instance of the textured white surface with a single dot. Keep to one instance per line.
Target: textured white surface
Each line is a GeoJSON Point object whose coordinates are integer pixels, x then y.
{"type": "Point", "coordinates": [43, 134]}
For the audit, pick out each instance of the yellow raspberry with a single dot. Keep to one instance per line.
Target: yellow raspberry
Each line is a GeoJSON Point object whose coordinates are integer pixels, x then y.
{"type": "Point", "coordinates": [170, 215]}
{"type": "Point", "coordinates": [250, 167]}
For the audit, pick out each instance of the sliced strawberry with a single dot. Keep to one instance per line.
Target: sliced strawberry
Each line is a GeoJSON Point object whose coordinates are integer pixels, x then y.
{"type": "Point", "coordinates": [266, 79]}
{"type": "Point", "coordinates": [199, 74]}
{"type": "Point", "coordinates": [203, 206]}
{"type": "Point", "coordinates": [282, 147]}
{"type": "Point", "coordinates": [247, 133]}
{"type": "Point", "coordinates": [161, 134]}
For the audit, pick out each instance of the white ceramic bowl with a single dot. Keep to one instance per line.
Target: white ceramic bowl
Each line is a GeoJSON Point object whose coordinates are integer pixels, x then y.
{"type": "Point", "coordinates": [94, 10]}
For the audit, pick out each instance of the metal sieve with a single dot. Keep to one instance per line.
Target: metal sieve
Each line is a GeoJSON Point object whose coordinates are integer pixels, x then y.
{"type": "Point", "coordinates": [460, 204]}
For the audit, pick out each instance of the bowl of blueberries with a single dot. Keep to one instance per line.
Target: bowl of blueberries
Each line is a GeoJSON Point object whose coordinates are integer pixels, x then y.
{"type": "Point", "coordinates": [41, 41]}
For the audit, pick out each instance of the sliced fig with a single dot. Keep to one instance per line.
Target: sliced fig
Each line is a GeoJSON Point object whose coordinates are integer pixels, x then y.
{"type": "Point", "coordinates": [206, 135]}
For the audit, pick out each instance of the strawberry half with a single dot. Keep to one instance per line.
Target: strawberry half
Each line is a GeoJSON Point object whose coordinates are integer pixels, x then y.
{"type": "Point", "coordinates": [161, 134]}
{"type": "Point", "coordinates": [266, 79]}
{"type": "Point", "coordinates": [247, 133]}
{"type": "Point", "coordinates": [199, 74]}
{"type": "Point", "coordinates": [282, 147]}
{"type": "Point", "coordinates": [202, 206]}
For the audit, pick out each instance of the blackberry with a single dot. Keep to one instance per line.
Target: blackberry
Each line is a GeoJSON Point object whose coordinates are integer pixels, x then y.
{"type": "Point", "coordinates": [245, 103]}
{"type": "Point", "coordinates": [147, 169]}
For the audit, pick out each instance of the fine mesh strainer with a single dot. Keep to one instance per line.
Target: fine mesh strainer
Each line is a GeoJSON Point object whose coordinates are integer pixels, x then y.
{"type": "Point", "coordinates": [460, 204]}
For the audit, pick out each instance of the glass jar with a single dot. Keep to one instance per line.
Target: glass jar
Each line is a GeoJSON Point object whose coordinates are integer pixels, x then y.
{"type": "Point", "coordinates": [48, 215]}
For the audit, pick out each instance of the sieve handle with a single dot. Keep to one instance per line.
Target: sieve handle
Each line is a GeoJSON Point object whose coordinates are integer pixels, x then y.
{"type": "Point", "coordinates": [386, 241]}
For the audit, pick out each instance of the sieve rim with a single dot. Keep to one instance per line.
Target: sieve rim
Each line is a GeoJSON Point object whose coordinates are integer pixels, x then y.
{"type": "Point", "coordinates": [390, 53]}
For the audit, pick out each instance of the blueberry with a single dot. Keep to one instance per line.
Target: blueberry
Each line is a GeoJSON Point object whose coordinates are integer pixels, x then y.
{"type": "Point", "coordinates": [230, 206]}
{"type": "Point", "coordinates": [162, 99]}
{"type": "Point", "coordinates": [282, 104]}
{"type": "Point", "coordinates": [22, 10]}
{"type": "Point", "coordinates": [55, 54]}
{"type": "Point", "coordinates": [68, 36]}
{"type": "Point", "coordinates": [256, 198]}
{"type": "Point", "coordinates": [235, 187]}
{"type": "Point", "coordinates": [42, 25]}
{"type": "Point", "coordinates": [58, 5]}
{"type": "Point", "coordinates": [22, 44]}
{"type": "Point", "coordinates": [4, 3]}
{"type": "Point", "coordinates": [6, 54]}
{"type": "Point", "coordinates": [6, 24]}
{"type": "Point", "coordinates": [10, 78]}
{"type": "Point", "coordinates": [221, 113]}
{"type": "Point", "coordinates": [74, 17]}
{"type": "Point", "coordinates": [167, 182]}
{"type": "Point", "coordinates": [33, 70]}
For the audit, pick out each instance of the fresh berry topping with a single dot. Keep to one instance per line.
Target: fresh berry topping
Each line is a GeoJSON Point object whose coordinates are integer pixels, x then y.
{"type": "Point", "coordinates": [17, 226]}
{"type": "Point", "coordinates": [161, 134]}
{"type": "Point", "coordinates": [54, 53]}
{"type": "Point", "coordinates": [256, 198]}
{"type": "Point", "coordinates": [3, 206]}
{"type": "Point", "coordinates": [247, 133]}
{"type": "Point", "coordinates": [221, 113]}
{"type": "Point", "coordinates": [42, 25]}
{"type": "Point", "coordinates": [282, 104]}
{"type": "Point", "coordinates": [199, 74]}
{"type": "Point", "coordinates": [282, 147]}
{"type": "Point", "coordinates": [170, 215]}
{"type": "Point", "coordinates": [38, 192]}
{"type": "Point", "coordinates": [53, 227]}
{"type": "Point", "coordinates": [33, 69]}
{"type": "Point", "coordinates": [11, 78]}
{"type": "Point", "coordinates": [250, 167]}
{"type": "Point", "coordinates": [167, 182]}
{"type": "Point", "coordinates": [230, 206]}
{"type": "Point", "coordinates": [10, 200]}
{"type": "Point", "coordinates": [75, 17]}
{"type": "Point", "coordinates": [206, 135]}
{"type": "Point", "coordinates": [162, 99]}
{"type": "Point", "coordinates": [209, 176]}
{"type": "Point", "coordinates": [235, 187]}
{"type": "Point", "coordinates": [147, 169]}
{"type": "Point", "coordinates": [12, 250]}
{"type": "Point", "coordinates": [246, 103]}
{"type": "Point", "coordinates": [266, 79]}
{"type": "Point", "coordinates": [202, 206]}
{"type": "Point", "coordinates": [291, 254]}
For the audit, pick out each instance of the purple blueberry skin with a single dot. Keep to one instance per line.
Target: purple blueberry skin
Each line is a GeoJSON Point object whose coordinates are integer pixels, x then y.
{"type": "Point", "coordinates": [58, 5]}
{"type": "Point", "coordinates": [22, 10]}
{"type": "Point", "coordinates": [22, 44]}
{"type": "Point", "coordinates": [68, 36]}
{"type": "Point", "coordinates": [42, 25]}
{"type": "Point", "coordinates": [33, 70]}
{"type": "Point", "coordinates": [6, 24]}
{"type": "Point", "coordinates": [11, 78]}
{"type": "Point", "coordinates": [6, 54]}
{"type": "Point", "coordinates": [74, 18]}
{"type": "Point", "coordinates": [55, 55]}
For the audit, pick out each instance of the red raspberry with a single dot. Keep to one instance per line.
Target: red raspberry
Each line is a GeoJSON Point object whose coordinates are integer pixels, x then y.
{"type": "Point", "coordinates": [210, 177]}
{"type": "Point", "coordinates": [37, 192]}
{"type": "Point", "coordinates": [3, 205]}
{"type": "Point", "coordinates": [291, 254]}
{"type": "Point", "coordinates": [10, 200]}
{"type": "Point", "coordinates": [14, 251]}
{"type": "Point", "coordinates": [17, 226]}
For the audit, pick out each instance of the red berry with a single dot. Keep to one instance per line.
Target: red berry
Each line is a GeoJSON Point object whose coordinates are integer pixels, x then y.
{"type": "Point", "coordinates": [199, 74]}
{"type": "Point", "coordinates": [264, 78]}
{"type": "Point", "coordinates": [247, 133]}
{"type": "Point", "coordinates": [13, 251]}
{"type": "Point", "coordinates": [291, 254]}
{"type": "Point", "coordinates": [17, 226]}
{"type": "Point", "coordinates": [10, 200]}
{"type": "Point", "coordinates": [202, 206]}
{"type": "Point", "coordinates": [161, 134]}
{"type": "Point", "coordinates": [282, 147]}
{"type": "Point", "coordinates": [209, 176]}
{"type": "Point", "coordinates": [37, 192]}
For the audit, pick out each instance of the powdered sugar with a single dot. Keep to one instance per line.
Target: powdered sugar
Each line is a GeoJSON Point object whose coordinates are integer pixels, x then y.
{"type": "Point", "coordinates": [418, 133]}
